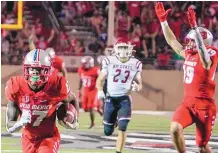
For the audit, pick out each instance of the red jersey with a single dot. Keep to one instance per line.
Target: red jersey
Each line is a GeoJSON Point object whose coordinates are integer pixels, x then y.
{"type": "Point", "coordinates": [57, 64]}
{"type": "Point", "coordinates": [42, 105]}
{"type": "Point", "coordinates": [199, 82]}
{"type": "Point", "coordinates": [89, 77]}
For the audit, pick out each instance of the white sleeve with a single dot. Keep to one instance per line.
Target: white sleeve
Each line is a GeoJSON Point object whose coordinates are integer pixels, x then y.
{"type": "Point", "coordinates": [139, 66]}
{"type": "Point", "coordinates": [104, 65]}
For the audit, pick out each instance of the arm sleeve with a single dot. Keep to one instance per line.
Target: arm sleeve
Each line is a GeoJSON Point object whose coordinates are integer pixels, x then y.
{"type": "Point", "coordinates": [60, 63]}
{"type": "Point", "coordinates": [10, 90]}
{"type": "Point", "coordinates": [139, 66]}
{"type": "Point", "coordinates": [64, 88]}
{"type": "Point", "coordinates": [213, 55]}
{"type": "Point", "coordinates": [104, 65]}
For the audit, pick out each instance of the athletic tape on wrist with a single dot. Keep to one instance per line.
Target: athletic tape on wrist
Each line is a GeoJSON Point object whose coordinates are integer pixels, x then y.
{"type": "Point", "coordinates": [164, 24]}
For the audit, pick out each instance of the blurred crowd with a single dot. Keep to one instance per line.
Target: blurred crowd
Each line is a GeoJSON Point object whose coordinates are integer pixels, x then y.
{"type": "Point", "coordinates": [134, 20]}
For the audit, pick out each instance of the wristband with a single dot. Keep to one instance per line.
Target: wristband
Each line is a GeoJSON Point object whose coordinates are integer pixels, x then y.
{"type": "Point", "coordinates": [164, 24]}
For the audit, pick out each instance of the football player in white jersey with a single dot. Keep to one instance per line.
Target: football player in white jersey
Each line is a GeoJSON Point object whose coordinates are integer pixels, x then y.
{"type": "Point", "coordinates": [123, 74]}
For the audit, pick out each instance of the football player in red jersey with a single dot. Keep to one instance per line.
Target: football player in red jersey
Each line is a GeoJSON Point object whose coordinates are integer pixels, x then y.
{"type": "Point", "coordinates": [35, 97]}
{"type": "Point", "coordinates": [58, 64]}
{"type": "Point", "coordinates": [88, 74]}
{"type": "Point", "coordinates": [198, 105]}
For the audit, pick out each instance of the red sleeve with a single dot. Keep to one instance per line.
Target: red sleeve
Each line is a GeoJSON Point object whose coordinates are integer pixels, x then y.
{"type": "Point", "coordinates": [11, 89]}
{"type": "Point", "coordinates": [97, 71]}
{"type": "Point", "coordinates": [64, 88]}
{"type": "Point", "coordinates": [59, 63]}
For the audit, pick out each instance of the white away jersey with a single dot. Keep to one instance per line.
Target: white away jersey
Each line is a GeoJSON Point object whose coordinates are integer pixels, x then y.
{"type": "Point", "coordinates": [120, 75]}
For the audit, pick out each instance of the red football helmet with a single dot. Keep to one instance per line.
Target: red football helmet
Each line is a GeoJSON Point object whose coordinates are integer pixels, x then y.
{"type": "Point", "coordinates": [123, 48]}
{"type": "Point", "coordinates": [189, 41]}
{"type": "Point", "coordinates": [87, 62]}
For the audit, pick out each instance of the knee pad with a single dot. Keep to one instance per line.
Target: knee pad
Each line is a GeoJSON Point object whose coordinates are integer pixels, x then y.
{"type": "Point", "coordinates": [122, 124]}
{"type": "Point", "coordinates": [108, 130]}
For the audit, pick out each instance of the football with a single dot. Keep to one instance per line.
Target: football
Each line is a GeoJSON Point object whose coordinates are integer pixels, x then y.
{"type": "Point", "coordinates": [67, 113]}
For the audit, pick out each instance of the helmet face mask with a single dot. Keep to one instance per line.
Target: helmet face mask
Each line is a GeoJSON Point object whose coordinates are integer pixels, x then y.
{"type": "Point", "coordinates": [189, 42]}
{"type": "Point", "coordinates": [123, 49]}
{"type": "Point", "coordinates": [190, 45]}
{"type": "Point", "coordinates": [87, 62]}
{"type": "Point", "coordinates": [37, 66]}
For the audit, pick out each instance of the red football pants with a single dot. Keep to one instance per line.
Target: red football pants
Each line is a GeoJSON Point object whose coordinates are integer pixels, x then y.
{"type": "Point", "coordinates": [44, 145]}
{"type": "Point", "coordinates": [200, 111]}
{"type": "Point", "coordinates": [90, 99]}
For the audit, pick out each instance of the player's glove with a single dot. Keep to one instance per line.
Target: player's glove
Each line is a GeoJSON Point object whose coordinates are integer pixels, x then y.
{"type": "Point", "coordinates": [25, 119]}
{"type": "Point", "coordinates": [191, 17]}
{"type": "Point", "coordinates": [67, 125]}
{"type": "Point", "coordinates": [135, 86]}
{"type": "Point", "coordinates": [160, 11]}
{"type": "Point", "coordinates": [101, 94]}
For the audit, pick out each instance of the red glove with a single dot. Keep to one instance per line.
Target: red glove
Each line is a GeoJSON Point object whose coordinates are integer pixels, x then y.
{"type": "Point", "coordinates": [191, 17]}
{"type": "Point", "coordinates": [160, 11]}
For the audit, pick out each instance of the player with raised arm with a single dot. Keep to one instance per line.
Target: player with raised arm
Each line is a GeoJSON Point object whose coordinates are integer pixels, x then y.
{"type": "Point", "coordinates": [200, 64]}
{"type": "Point", "coordinates": [123, 74]}
{"type": "Point", "coordinates": [88, 74]}
{"type": "Point", "coordinates": [35, 97]}
{"type": "Point", "coordinates": [58, 64]}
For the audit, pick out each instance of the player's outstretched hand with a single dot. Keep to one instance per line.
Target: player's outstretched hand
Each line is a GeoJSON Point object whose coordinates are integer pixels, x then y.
{"type": "Point", "coordinates": [101, 95]}
{"type": "Point", "coordinates": [24, 120]}
{"type": "Point", "coordinates": [191, 17]}
{"type": "Point", "coordinates": [160, 11]}
{"type": "Point", "coordinates": [25, 117]}
{"type": "Point", "coordinates": [73, 126]}
{"type": "Point", "coordinates": [135, 86]}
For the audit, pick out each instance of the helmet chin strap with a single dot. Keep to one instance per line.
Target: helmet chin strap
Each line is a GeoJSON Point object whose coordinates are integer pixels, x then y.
{"type": "Point", "coordinates": [123, 59]}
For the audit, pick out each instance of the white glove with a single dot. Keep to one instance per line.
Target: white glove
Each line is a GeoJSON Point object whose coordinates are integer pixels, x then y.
{"type": "Point", "coordinates": [25, 119]}
{"type": "Point", "coordinates": [135, 86]}
{"type": "Point", "coordinates": [73, 126]}
{"type": "Point", "coordinates": [101, 95]}
{"type": "Point", "coordinates": [67, 125]}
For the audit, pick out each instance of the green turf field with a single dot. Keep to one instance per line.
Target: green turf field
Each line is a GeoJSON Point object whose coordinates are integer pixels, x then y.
{"type": "Point", "coordinates": [139, 123]}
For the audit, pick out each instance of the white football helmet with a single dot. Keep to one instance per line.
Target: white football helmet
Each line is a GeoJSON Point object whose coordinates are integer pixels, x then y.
{"type": "Point", "coordinates": [37, 67]}
{"type": "Point", "coordinates": [190, 38]}
{"type": "Point", "coordinates": [51, 52]}
{"type": "Point", "coordinates": [87, 62]}
{"type": "Point", "coordinates": [123, 48]}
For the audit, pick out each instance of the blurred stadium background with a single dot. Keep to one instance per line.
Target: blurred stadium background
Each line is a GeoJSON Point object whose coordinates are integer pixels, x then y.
{"type": "Point", "coordinates": [79, 28]}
